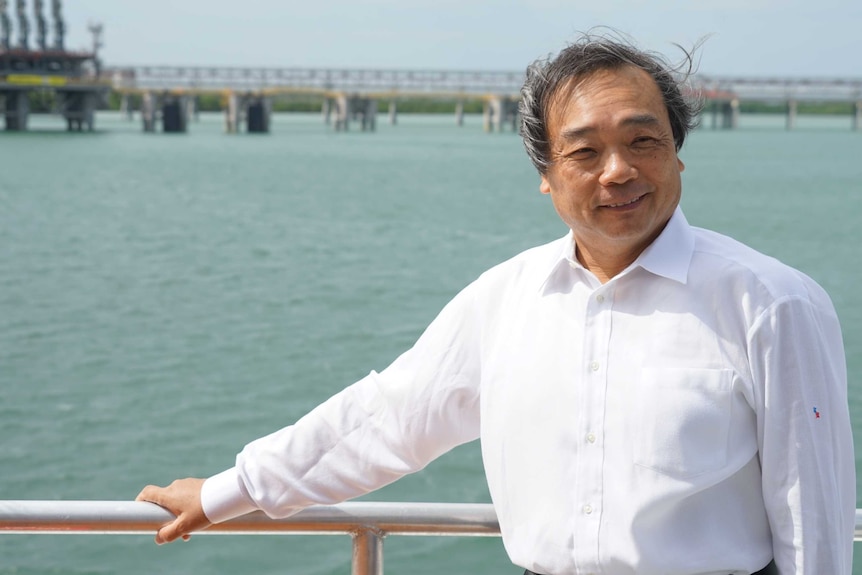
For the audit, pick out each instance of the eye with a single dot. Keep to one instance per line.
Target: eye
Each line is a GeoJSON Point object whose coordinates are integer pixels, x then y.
{"type": "Point", "coordinates": [644, 142]}
{"type": "Point", "coordinates": [582, 154]}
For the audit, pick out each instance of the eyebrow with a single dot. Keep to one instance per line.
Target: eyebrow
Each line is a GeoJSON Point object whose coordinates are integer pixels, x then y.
{"type": "Point", "coordinates": [636, 120]}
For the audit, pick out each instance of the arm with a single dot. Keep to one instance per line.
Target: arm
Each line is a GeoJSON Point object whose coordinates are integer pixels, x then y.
{"type": "Point", "coordinates": [805, 440]}
{"type": "Point", "coordinates": [377, 430]}
{"type": "Point", "coordinates": [381, 428]}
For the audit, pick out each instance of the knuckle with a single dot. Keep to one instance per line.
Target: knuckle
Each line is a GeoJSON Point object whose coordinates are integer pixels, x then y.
{"type": "Point", "coordinates": [145, 493]}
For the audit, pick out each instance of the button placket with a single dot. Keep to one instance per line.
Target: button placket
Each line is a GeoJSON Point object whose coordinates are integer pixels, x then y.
{"type": "Point", "coordinates": [589, 493]}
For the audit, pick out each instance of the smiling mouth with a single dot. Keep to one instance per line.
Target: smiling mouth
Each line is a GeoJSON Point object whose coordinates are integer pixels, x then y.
{"type": "Point", "coordinates": [622, 204]}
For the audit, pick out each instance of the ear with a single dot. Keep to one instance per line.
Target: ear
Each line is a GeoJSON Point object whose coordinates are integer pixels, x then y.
{"type": "Point", "coordinates": [681, 165]}
{"type": "Point", "coordinates": [545, 185]}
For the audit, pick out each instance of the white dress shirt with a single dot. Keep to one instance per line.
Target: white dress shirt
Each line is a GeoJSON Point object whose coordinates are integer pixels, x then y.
{"type": "Point", "coordinates": [687, 417]}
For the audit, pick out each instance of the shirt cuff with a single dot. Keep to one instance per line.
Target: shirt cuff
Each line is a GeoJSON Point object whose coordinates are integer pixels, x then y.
{"type": "Point", "coordinates": [222, 498]}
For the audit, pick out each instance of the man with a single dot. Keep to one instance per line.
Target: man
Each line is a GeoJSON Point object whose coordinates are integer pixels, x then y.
{"type": "Point", "coordinates": [652, 398]}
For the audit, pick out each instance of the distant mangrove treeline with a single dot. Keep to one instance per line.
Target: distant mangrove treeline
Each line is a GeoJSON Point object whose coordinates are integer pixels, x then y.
{"type": "Point", "coordinates": [43, 102]}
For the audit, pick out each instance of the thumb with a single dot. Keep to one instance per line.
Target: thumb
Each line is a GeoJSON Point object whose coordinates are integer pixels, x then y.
{"type": "Point", "coordinates": [169, 532]}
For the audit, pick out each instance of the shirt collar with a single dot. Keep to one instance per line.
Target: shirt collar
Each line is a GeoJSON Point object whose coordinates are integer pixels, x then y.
{"type": "Point", "coordinates": [668, 256]}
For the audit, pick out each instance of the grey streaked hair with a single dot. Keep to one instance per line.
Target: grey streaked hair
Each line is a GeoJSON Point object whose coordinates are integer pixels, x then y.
{"type": "Point", "coordinates": [591, 53]}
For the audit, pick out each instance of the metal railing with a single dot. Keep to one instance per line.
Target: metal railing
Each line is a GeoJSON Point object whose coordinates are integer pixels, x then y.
{"type": "Point", "coordinates": [448, 82]}
{"type": "Point", "coordinates": [366, 522]}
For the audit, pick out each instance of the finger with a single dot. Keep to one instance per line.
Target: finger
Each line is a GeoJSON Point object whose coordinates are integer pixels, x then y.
{"type": "Point", "coordinates": [150, 493]}
{"type": "Point", "coordinates": [170, 533]}
{"type": "Point", "coordinates": [153, 494]}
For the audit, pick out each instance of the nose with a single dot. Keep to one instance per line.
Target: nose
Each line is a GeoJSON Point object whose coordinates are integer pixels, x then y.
{"type": "Point", "coordinates": [617, 169]}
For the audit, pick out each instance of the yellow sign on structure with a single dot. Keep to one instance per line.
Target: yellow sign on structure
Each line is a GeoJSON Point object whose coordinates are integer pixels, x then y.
{"type": "Point", "coordinates": [34, 80]}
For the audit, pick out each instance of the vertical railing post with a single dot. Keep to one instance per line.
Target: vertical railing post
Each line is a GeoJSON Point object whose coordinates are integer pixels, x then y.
{"type": "Point", "coordinates": [367, 552]}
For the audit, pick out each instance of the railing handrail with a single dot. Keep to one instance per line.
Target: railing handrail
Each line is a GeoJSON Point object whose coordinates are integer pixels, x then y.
{"type": "Point", "coordinates": [118, 517]}
{"type": "Point", "coordinates": [366, 522]}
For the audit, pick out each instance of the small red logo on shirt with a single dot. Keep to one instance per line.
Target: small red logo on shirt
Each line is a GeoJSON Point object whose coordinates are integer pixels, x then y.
{"type": "Point", "coordinates": [816, 414]}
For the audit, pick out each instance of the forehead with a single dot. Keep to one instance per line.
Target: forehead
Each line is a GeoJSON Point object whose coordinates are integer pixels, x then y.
{"type": "Point", "coordinates": [605, 98]}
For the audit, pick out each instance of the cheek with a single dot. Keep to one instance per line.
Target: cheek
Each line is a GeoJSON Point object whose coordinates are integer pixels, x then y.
{"type": "Point", "coordinates": [572, 208]}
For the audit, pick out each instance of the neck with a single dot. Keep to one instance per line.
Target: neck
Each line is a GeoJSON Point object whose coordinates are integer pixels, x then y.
{"type": "Point", "coordinates": [605, 266]}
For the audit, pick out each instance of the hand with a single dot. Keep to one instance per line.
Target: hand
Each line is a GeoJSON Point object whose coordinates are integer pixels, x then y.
{"type": "Point", "coordinates": [183, 499]}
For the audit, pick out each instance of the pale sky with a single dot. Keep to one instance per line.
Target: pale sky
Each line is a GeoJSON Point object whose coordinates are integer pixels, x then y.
{"type": "Point", "coordinates": [747, 37]}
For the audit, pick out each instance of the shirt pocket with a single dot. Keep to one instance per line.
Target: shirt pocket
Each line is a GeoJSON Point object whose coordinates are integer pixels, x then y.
{"type": "Point", "coordinates": [682, 420]}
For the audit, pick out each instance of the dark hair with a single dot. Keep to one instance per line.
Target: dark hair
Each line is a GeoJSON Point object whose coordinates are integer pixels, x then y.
{"type": "Point", "coordinates": [592, 53]}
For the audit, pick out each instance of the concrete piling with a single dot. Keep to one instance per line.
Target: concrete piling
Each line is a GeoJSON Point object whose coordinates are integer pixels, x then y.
{"type": "Point", "coordinates": [258, 113]}
{"type": "Point", "coordinates": [232, 113]}
{"type": "Point", "coordinates": [791, 114]}
{"type": "Point", "coordinates": [78, 108]}
{"type": "Point", "coordinates": [17, 110]}
{"type": "Point", "coordinates": [342, 113]}
{"type": "Point", "coordinates": [174, 114]}
{"type": "Point", "coordinates": [352, 107]}
{"type": "Point", "coordinates": [149, 110]}
{"type": "Point", "coordinates": [499, 111]}
{"type": "Point", "coordinates": [326, 110]}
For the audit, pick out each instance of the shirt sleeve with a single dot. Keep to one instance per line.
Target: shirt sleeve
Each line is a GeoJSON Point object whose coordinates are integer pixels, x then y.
{"type": "Point", "coordinates": [804, 435]}
{"type": "Point", "coordinates": [381, 428]}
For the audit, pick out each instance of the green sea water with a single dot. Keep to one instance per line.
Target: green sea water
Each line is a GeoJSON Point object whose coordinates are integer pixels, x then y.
{"type": "Point", "coordinates": [165, 299]}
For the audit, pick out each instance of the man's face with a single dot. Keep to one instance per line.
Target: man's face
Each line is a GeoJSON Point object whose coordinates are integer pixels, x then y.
{"type": "Point", "coordinates": [614, 176]}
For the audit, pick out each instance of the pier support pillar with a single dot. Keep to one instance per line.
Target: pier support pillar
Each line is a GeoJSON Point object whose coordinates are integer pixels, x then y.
{"type": "Point", "coordinates": [175, 114]}
{"type": "Point", "coordinates": [17, 110]}
{"type": "Point", "coordinates": [729, 115]}
{"type": "Point", "coordinates": [232, 113]}
{"type": "Point", "coordinates": [512, 113]}
{"type": "Point", "coordinates": [342, 113]}
{"type": "Point", "coordinates": [192, 108]}
{"type": "Point", "coordinates": [258, 114]}
{"type": "Point", "coordinates": [459, 113]}
{"type": "Point", "coordinates": [326, 111]}
{"type": "Point", "coordinates": [78, 108]}
{"type": "Point", "coordinates": [355, 107]}
{"type": "Point", "coordinates": [126, 107]}
{"type": "Point", "coordinates": [857, 115]}
{"type": "Point", "coordinates": [393, 113]}
{"type": "Point", "coordinates": [499, 111]}
{"type": "Point", "coordinates": [491, 114]}
{"type": "Point", "coordinates": [366, 112]}
{"type": "Point", "coordinates": [791, 114]}
{"type": "Point", "coordinates": [149, 111]}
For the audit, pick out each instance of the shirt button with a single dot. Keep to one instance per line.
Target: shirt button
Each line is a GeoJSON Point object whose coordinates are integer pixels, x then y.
{"type": "Point", "coordinates": [591, 437]}
{"type": "Point", "coordinates": [594, 366]}
{"type": "Point", "coordinates": [600, 298]}
{"type": "Point", "coordinates": [588, 509]}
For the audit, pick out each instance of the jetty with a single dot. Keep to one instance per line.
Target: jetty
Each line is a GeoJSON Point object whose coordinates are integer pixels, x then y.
{"type": "Point", "coordinates": [355, 95]}
{"type": "Point", "coordinates": [167, 97]}
{"type": "Point", "coordinates": [72, 77]}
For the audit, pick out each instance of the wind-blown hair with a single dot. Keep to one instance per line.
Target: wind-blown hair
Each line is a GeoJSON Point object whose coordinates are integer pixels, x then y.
{"type": "Point", "coordinates": [592, 53]}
